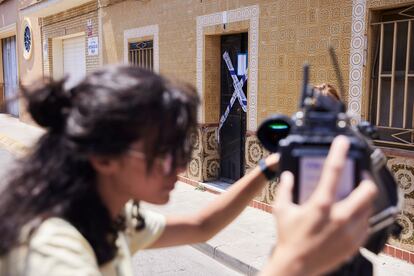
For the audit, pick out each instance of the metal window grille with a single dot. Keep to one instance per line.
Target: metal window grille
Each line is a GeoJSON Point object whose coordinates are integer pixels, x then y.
{"type": "Point", "coordinates": [142, 54]}
{"type": "Point", "coordinates": [392, 81]}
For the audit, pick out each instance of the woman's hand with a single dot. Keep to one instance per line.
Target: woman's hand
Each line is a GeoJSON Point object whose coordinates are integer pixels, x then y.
{"type": "Point", "coordinates": [272, 162]}
{"type": "Point", "coordinates": [319, 235]}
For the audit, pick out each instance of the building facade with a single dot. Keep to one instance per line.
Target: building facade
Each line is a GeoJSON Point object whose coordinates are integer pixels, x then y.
{"type": "Point", "coordinates": [254, 48]}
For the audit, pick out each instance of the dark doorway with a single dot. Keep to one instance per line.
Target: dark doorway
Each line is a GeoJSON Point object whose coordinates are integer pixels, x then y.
{"type": "Point", "coordinates": [232, 133]}
{"type": "Point", "coordinates": [10, 85]}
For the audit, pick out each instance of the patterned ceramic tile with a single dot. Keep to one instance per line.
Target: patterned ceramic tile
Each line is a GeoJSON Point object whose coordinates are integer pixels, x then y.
{"type": "Point", "coordinates": [205, 163]}
{"type": "Point", "coordinates": [357, 56]}
{"type": "Point", "coordinates": [211, 168]}
{"type": "Point", "coordinates": [255, 152]}
{"type": "Point", "coordinates": [196, 141]}
{"type": "Point", "coordinates": [194, 168]}
{"type": "Point", "coordinates": [403, 170]}
{"type": "Point", "coordinates": [209, 140]}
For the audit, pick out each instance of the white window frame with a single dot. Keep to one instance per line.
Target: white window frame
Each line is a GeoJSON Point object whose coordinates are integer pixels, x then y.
{"type": "Point", "coordinates": [141, 33]}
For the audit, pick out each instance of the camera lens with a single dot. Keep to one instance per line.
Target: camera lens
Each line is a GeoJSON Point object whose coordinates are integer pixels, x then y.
{"type": "Point", "coordinates": [272, 130]}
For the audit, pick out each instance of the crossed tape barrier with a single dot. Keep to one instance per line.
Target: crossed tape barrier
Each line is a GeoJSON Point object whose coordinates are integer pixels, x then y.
{"type": "Point", "coordinates": [238, 92]}
{"type": "Point", "coordinates": [238, 85]}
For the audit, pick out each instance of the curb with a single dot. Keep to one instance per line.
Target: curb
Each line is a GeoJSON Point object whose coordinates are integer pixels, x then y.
{"type": "Point", "coordinates": [211, 189]}
{"type": "Point", "coordinates": [226, 259]}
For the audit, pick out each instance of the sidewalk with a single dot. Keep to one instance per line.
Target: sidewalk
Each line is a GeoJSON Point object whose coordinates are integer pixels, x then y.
{"type": "Point", "coordinates": [244, 245]}
{"type": "Point", "coordinates": [16, 136]}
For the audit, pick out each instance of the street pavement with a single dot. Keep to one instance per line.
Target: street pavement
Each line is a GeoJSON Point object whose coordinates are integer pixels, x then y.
{"type": "Point", "coordinates": [180, 260]}
{"type": "Point", "coordinates": [6, 158]}
{"type": "Point", "coordinates": [244, 245]}
{"type": "Point", "coordinates": [6, 161]}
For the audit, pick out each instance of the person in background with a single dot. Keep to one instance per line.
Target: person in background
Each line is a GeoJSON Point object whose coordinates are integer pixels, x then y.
{"type": "Point", "coordinates": [121, 136]}
{"type": "Point", "coordinates": [327, 89]}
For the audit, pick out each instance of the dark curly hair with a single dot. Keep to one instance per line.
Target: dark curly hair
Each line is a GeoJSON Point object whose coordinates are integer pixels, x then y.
{"type": "Point", "coordinates": [102, 116]}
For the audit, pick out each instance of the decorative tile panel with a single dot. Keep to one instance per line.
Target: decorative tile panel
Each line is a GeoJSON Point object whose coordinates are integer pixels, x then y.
{"type": "Point", "coordinates": [211, 155]}
{"type": "Point", "coordinates": [211, 168]}
{"type": "Point", "coordinates": [196, 141]}
{"type": "Point", "coordinates": [205, 163]}
{"type": "Point", "coordinates": [209, 140]}
{"type": "Point", "coordinates": [403, 170]}
{"type": "Point", "coordinates": [254, 152]}
{"type": "Point", "coordinates": [194, 168]}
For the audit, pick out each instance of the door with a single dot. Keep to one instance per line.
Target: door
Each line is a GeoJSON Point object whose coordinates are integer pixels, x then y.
{"type": "Point", "coordinates": [74, 63]}
{"type": "Point", "coordinates": [232, 134]}
{"type": "Point", "coordinates": [11, 86]}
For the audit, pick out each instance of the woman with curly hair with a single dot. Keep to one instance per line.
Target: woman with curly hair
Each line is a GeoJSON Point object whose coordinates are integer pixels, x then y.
{"type": "Point", "coordinates": [121, 136]}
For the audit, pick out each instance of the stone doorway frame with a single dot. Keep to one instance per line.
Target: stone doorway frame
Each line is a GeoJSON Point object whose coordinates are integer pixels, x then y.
{"type": "Point", "coordinates": [250, 14]}
{"type": "Point", "coordinates": [357, 57]}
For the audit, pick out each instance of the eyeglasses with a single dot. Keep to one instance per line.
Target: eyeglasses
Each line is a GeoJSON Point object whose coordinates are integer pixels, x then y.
{"type": "Point", "coordinates": [166, 161]}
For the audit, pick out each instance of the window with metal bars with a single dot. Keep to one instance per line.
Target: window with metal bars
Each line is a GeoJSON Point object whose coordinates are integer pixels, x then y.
{"type": "Point", "coordinates": [142, 54]}
{"type": "Point", "coordinates": [392, 78]}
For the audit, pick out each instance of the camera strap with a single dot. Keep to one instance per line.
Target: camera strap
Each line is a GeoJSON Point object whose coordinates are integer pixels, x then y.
{"type": "Point", "coordinates": [269, 174]}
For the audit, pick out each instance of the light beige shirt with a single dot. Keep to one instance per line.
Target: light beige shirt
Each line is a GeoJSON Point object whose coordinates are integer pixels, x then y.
{"type": "Point", "coordinates": [58, 248]}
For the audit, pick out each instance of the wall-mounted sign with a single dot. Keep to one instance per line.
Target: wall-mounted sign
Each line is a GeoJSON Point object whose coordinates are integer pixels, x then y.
{"type": "Point", "coordinates": [224, 17]}
{"type": "Point", "coordinates": [241, 64]}
{"type": "Point", "coordinates": [93, 46]}
{"type": "Point", "coordinates": [27, 38]}
{"type": "Point", "coordinates": [89, 29]}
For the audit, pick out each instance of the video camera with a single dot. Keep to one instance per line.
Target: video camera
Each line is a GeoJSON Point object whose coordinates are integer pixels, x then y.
{"type": "Point", "coordinates": [303, 142]}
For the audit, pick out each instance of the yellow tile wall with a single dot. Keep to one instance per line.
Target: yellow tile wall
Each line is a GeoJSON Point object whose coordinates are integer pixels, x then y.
{"type": "Point", "coordinates": [212, 78]}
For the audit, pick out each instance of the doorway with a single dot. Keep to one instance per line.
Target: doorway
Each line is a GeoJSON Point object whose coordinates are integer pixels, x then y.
{"type": "Point", "coordinates": [10, 77]}
{"type": "Point", "coordinates": [233, 131]}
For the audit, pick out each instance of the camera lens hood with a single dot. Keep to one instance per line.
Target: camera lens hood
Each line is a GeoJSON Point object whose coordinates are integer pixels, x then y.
{"type": "Point", "coordinates": [272, 130]}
